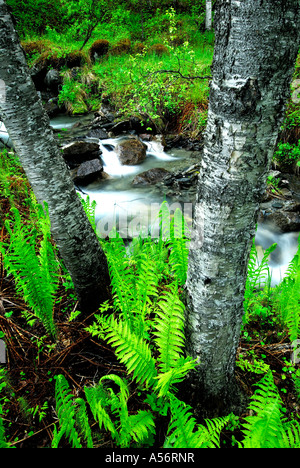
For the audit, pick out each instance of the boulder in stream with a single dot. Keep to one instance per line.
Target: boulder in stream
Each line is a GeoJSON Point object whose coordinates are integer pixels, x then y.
{"type": "Point", "coordinates": [80, 151]}
{"type": "Point", "coordinates": [131, 152]}
{"type": "Point", "coordinates": [152, 176]}
{"type": "Point", "coordinates": [88, 172]}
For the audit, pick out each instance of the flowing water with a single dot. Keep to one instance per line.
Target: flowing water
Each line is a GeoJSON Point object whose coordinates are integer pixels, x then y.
{"type": "Point", "coordinates": [134, 209]}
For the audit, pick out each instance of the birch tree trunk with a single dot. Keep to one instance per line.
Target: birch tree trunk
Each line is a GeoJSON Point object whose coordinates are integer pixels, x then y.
{"type": "Point", "coordinates": [208, 15]}
{"type": "Point", "coordinates": [28, 126]}
{"type": "Point", "coordinates": [255, 52]}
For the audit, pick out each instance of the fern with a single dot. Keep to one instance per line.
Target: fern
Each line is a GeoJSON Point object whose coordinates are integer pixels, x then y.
{"type": "Point", "coordinates": [111, 411]}
{"type": "Point", "coordinates": [90, 209]}
{"type": "Point", "coordinates": [266, 426]}
{"type": "Point", "coordinates": [288, 297]}
{"type": "Point", "coordinates": [65, 409]}
{"type": "Point", "coordinates": [178, 244]}
{"type": "Point", "coordinates": [132, 350]}
{"type": "Point", "coordinates": [35, 274]}
{"type": "Point", "coordinates": [183, 432]}
{"type": "Point", "coordinates": [258, 275]}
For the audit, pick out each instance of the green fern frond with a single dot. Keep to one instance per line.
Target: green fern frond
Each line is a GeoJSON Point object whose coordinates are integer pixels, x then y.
{"type": "Point", "coordinates": [65, 409]}
{"type": "Point", "coordinates": [99, 402]}
{"type": "Point", "coordinates": [132, 350]}
{"type": "Point", "coordinates": [184, 432]}
{"type": "Point", "coordinates": [258, 272]}
{"type": "Point", "coordinates": [35, 272]}
{"type": "Point", "coordinates": [89, 208]}
{"type": "Point", "coordinates": [178, 244]}
{"type": "Point", "coordinates": [288, 297]}
{"type": "Point", "coordinates": [169, 326]}
{"type": "Point", "coordinates": [166, 381]}
{"type": "Point", "coordinates": [262, 427]}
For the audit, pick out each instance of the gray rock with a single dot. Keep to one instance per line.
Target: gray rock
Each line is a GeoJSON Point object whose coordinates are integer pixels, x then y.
{"type": "Point", "coordinates": [88, 172]}
{"type": "Point", "coordinates": [131, 152]}
{"type": "Point", "coordinates": [80, 151]}
{"type": "Point", "coordinates": [150, 177]}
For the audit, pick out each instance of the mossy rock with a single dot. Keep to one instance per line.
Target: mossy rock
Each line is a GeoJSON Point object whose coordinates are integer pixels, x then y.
{"type": "Point", "coordinates": [98, 49]}
{"type": "Point", "coordinates": [121, 47]}
{"type": "Point", "coordinates": [36, 47]}
{"type": "Point", "coordinates": [158, 49]}
{"type": "Point", "coordinates": [138, 48]}
{"type": "Point", "coordinates": [59, 59]}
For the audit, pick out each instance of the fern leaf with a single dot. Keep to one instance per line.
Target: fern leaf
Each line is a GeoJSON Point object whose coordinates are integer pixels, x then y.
{"type": "Point", "coordinates": [169, 325]}
{"type": "Point", "coordinates": [132, 350]}
{"type": "Point", "coordinates": [65, 409]}
{"type": "Point", "coordinates": [183, 432]}
{"type": "Point", "coordinates": [261, 428]}
{"type": "Point", "coordinates": [35, 274]}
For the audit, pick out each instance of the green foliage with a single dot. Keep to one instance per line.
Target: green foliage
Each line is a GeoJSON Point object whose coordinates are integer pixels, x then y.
{"type": "Point", "coordinates": [287, 298]}
{"type": "Point", "coordinates": [3, 384]}
{"type": "Point", "coordinates": [287, 154]}
{"type": "Point", "coordinates": [183, 432]}
{"type": "Point", "coordinates": [72, 416]}
{"type": "Point", "coordinates": [258, 274]}
{"type": "Point", "coordinates": [34, 267]}
{"type": "Point", "coordinates": [110, 409]}
{"type": "Point", "coordinates": [266, 426]}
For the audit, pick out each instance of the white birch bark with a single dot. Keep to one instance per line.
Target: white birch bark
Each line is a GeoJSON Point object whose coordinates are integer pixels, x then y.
{"type": "Point", "coordinates": [28, 126]}
{"type": "Point", "coordinates": [256, 47]}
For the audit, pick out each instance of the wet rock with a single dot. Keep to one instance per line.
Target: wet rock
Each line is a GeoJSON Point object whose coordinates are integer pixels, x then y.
{"type": "Point", "coordinates": [152, 176]}
{"type": "Point", "coordinates": [131, 152]}
{"type": "Point", "coordinates": [53, 80]}
{"type": "Point", "coordinates": [284, 215]}
{"type": "Point", "coordinates": [80, 151]}
{"type": "Point", "coordinates": [51, 107]}
{"type": "Point", "coordinates": [88, 172]}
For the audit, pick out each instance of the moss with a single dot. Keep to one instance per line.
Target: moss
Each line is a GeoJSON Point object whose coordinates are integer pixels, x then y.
{"type": "Point", "coordinates": [158, 49]}
{"type": "Point", "coordinates": [138, 48]}
{"type": "Point", "coordinates": [36, 47]}
{"type": "Point", "coordinates": [121, 47]}
{"type": "Point", "coordinates": [98, 49]}
{"type": "Point", "coordinates": [59, 59]}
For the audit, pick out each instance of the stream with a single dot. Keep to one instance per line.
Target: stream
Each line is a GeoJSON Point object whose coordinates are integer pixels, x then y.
{"type": "Point", "coordinates": [134, 208]}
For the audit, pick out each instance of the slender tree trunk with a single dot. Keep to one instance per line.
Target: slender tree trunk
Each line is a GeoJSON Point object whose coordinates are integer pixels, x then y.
{"type": "Point", "coordinates": [208, 15]}
{"type": "Point", "coordinates": [28, 126]}
{"type": "Point", "coordinates": [255, 52]}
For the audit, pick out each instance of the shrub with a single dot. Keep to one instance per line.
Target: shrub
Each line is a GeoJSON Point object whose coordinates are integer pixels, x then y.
{"type": "Point", "coordinates": [98, 49]}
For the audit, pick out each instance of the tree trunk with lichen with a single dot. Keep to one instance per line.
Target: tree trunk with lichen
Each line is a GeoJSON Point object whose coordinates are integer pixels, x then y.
{"type": "Point", "coordinates": [29, 129]}
{"type": "Point", "coordinates": [256, 46]}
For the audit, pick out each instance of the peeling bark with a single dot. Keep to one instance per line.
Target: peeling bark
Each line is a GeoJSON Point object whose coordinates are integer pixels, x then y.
{"type": "Point", "coordinates": [255, 52]}
{"type": "Point", "coordinates": [29, 129]}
